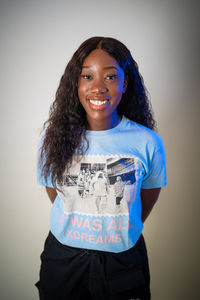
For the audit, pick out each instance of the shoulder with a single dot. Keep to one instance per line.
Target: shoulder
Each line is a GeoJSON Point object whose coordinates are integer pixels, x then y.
{"type": "Point", "coordinates": [142, 133]}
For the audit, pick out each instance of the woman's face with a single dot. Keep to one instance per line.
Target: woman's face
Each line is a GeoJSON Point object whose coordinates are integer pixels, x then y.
{"type": "Point", "coordinates": [100, 89]}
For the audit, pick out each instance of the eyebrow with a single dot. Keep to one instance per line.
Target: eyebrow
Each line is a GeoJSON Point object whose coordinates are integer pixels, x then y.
{"type": "Point", "coordinates": [106, 68]}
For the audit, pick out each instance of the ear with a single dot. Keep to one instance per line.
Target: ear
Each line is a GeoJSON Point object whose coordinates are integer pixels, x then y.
{"type": "Point", "coordinates": [125, 84]}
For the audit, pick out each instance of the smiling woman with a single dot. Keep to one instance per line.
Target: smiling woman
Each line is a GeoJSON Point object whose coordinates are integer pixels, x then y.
{"type": "Point", "coordinates": [103, 166]}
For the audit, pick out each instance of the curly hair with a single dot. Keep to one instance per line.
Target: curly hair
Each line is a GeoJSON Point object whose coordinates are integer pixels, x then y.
{"type": "Point", "coordinates": [65, 130]}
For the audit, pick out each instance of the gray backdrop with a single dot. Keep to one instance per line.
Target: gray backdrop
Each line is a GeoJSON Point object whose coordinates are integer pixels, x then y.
{"type": "Point", "coordinates": [37, 40]}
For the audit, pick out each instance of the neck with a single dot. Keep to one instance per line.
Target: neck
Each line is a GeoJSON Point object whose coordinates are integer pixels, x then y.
{"type": "Point", "coordinates": [105, 124]}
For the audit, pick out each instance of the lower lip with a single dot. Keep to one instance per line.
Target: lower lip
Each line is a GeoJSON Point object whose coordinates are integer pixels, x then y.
{"type": "Point", "coordinates": [98, 107]}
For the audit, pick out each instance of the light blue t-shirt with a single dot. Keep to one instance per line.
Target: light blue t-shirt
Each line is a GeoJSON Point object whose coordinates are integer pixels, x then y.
{"type": "Point", "coordinates": [99, 205]}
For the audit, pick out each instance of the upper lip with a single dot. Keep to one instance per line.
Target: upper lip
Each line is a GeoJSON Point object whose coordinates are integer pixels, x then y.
{"type": "Point", "coordinates": [98, 98]}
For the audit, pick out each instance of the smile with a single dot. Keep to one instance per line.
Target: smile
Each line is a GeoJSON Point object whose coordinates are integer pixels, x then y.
{"type": "Point", "coordinates": [98, 102]}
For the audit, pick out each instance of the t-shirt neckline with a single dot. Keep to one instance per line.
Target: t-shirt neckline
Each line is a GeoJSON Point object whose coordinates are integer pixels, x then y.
{"type": "Point", "coordinates": [107, 131]}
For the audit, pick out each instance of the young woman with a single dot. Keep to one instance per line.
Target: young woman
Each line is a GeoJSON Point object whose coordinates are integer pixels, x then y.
{"type": "Point", "coordinates": [100, 131]}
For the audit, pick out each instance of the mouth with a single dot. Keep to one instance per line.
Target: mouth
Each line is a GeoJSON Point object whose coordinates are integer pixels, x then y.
{"type": "Point", "coordinates": [98, 104]}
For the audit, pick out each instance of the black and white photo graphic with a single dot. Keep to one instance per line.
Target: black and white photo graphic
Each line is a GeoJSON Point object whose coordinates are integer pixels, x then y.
{"type": "Point", "coordinates": [102, 185]}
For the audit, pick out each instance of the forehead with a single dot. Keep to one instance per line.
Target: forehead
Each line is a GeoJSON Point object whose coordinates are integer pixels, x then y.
{"type": "Point", "coordinates": [99, 57]}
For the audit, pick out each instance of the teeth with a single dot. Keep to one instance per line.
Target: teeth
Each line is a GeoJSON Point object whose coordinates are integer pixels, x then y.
{"type": "Point", "coordinates": [97, 102]}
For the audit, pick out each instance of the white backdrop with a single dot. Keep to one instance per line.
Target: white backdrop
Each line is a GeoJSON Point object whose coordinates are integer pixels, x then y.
{"type": "Point", "coordinates": [37, 40]}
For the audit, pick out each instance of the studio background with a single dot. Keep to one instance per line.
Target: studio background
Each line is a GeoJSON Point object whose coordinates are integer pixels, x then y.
{"type": "Point", "coordinates": [37, 40]}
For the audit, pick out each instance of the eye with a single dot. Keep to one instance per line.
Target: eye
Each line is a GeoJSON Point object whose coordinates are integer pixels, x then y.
{"type": "Point", "coordinates": [111, 77]}
{"type": "Point", "coordinates": [86, 76]}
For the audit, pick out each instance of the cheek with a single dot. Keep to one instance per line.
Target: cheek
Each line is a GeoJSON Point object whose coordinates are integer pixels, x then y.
{"type": "Point", "coordinates": [82, 96]}
{"type": "Point", "coordinates": [119, 87]}
{"type": "Point", "coordinates": [82, 90]}
{"type": "Point", "coordinates": [119, 91]}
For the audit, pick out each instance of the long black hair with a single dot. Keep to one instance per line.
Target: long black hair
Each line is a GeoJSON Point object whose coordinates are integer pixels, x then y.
{"type": "Point", "coordinates": [66, 127]}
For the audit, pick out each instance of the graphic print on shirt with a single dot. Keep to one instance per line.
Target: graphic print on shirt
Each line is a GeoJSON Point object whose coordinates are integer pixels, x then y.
{"type": "Point", "coordinates": [99, 198]}
{"type": "Point", "coordinates": [99, 185]}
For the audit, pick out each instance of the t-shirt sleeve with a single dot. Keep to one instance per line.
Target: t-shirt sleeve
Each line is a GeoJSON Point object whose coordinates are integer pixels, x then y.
{"type": "Point", "coordinates": [40, 177]}
{"type": "Point", "coordinates": [156, 177]}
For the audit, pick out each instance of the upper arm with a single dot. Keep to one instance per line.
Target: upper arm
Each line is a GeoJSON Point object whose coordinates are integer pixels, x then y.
{"type": "Point", "coordinates": [155, 171]}
{"type": "Point", "coordinates": [148, 199]}
{"type": "Point", "coordinates": [52, 193]}
{"type": "Point", "coordinates": [40, 163]}
{"type": "Point", "coordinates": [150, 195]}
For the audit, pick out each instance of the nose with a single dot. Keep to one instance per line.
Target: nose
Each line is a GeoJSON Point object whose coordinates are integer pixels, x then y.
{"type": "Point", "coordinates": [99, 86]}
